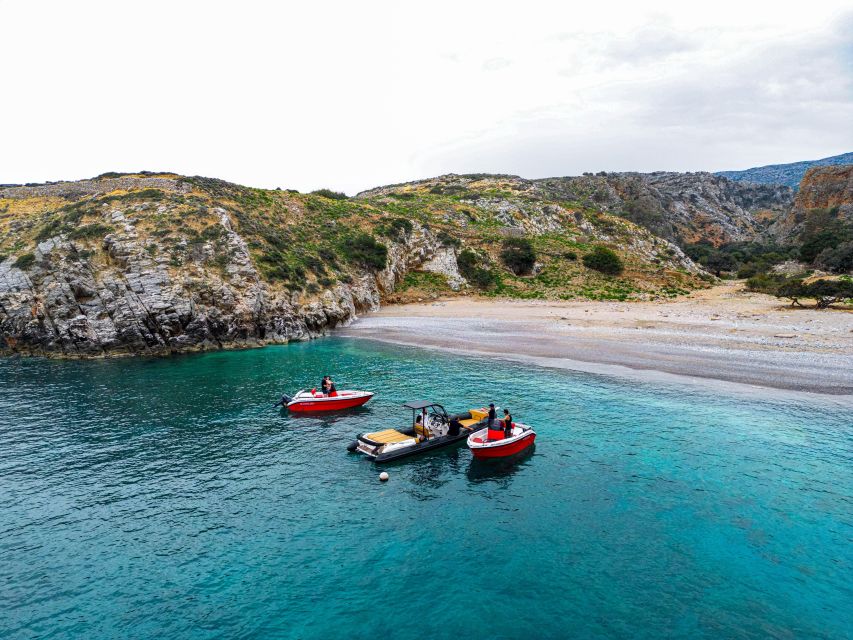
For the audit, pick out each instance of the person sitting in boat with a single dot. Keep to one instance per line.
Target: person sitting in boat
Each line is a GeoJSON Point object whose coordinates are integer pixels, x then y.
{"type": "Point", "coordinates": [332, 391]}
{"type": "Point", "coordinates": [454, 427]}
{"type": "Point", "coordinates": [421, 418]}
{"type": "Point", "coordinates": [507, 420]}
{"type": "Point", "coordinates": [324, 386]}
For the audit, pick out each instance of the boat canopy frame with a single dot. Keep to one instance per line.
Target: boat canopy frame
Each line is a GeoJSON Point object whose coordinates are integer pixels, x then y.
{"type": "Point", "coordinates": [421, 405]}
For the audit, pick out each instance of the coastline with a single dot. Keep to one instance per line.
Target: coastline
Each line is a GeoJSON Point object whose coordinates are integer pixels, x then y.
{"type": "Point", "coordinates": [719, 334]}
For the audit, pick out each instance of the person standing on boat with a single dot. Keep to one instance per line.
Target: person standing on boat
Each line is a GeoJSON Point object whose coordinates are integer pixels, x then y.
{"type": "Point", "coordinates": [332, 390]}
{"type": "Point", "coordinates": [507, 423]}
{"type": "Point", "coordinates": [492, 415]}
{"type": "Point", "coordinates": [324, 386]}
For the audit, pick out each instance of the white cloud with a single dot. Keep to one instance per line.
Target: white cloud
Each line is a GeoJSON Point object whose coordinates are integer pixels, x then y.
{"type": "Point", "coordinates": [351, 95]}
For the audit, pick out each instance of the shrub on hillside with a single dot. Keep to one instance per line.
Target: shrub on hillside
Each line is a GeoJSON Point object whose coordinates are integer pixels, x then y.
{"type": "Point", "coordinates": [838, 259]}
{"type": "Point", "coordinates": [395, 228]}
{"type": "Point", "coordinates": [823, 230]}
{"type": "Point", "coordinates": [24, 261]}
{"type": "Point", "coordinates": [518, 254]}
{"type": "Point", "coordinates": [364, 250]}
{"type": "Point", "coordinates": [447, 240]}
{"type": "Point", "coordinates": [96, 230]}
{"type": "Point", "coordinates": [604, 260]}
{"type": "Point", "coordinates": [328, 193]}
{"type": "Point", "coordinates": [648, 213]}
{"type": "Point", "coordinates": [472, 269]}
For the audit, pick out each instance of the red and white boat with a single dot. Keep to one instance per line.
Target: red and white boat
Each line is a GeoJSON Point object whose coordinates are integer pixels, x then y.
{"type": "Point", "coordinates": [304, 401]}
{"type": "Point", "coordinates": [492, 443]}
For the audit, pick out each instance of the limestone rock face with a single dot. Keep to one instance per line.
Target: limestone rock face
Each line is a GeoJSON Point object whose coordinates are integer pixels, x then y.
{"type": "Point", "coordinates": [682, 207]}
{"type": "Point", "coordinates": [444, 263]}
{"type": "Point", "coordinates": [821, 188]}
{"type": "Point", "coordinates": [126, 300]}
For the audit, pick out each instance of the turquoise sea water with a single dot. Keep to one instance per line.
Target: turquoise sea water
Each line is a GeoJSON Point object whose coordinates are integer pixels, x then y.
{"type": "Point", "coordinates": [165, 499]}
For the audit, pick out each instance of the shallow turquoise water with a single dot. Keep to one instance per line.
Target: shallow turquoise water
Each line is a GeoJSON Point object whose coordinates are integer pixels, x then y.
{"type": "Point", "coordinates": [164, 499]}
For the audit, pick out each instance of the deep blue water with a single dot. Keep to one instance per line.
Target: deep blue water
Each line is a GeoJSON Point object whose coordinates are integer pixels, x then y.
{"type": "Point", "coordinates": [163, 498]}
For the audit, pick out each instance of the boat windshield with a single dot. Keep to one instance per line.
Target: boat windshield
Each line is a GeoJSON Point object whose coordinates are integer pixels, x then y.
{"type": "Point", "coordinates": [430, 413]}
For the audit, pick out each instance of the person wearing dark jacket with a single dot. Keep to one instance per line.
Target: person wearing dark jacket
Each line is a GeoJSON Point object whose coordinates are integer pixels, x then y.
{"type": "Point", "coordinates": [507, 423]}
{"type": "Point", "coordinates": [492, 415]}
{"type": "Point", "coordinates": [454, 427]}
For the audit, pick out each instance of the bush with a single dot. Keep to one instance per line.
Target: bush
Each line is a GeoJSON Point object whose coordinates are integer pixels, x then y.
{"type": "Point", "coordinates": [274, 269]}
{"type": "Point", "coordinates": [96, 230]}
{"type": "Point", "coordinates": [328, 193]}
{"type": "Point", "coordinates": [766, 283]}
{"type": "Point", "coordinates": [51, 230]}
{"type": "Point", "coordinates": [823, 230]}
{"type": "Point", "coordinates": [518, 254]}
{"type": "Point", "coordinates": [824, 292]}
{"type": "Point", "coordinates": [646, 212]}
{"type": "Point", "coordinates": [838, 259]}
{"type": "Point", "coordinates": [448, 240]}
{"type": "Point", "coordinates": [24, 261]}
{"type": "Point", "coordinates": [745, 258]}
{"type": "Point", "coordinates": [717, 262]}
{"type": "Point", "coordinates": [395, 228]}
{"type": "Point", "coordinates": [604, 260]}
{"type": "Point", "coordinates": [570, 255]}
{"type": "Point", "coordinates": [470, 266]}
{"type": "Point", "coordinates": [364, 250]}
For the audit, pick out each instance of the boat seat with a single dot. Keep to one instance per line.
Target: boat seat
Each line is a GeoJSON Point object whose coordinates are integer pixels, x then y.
{"type": "Point", "coordinates": [426, 433]}
{"type": "Point", "coordinates": [496, 434]}
{"type": "Point", "coordinates": [479, 414]}
{"type": "Point", "coordinates": [470, 422]}
{"type": "Point", "coordinates": [387, 436]}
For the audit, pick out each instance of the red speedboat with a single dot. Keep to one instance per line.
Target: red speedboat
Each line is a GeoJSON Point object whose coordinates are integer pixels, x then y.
{"type": "Point", "coordinates": [305, 401]}
{"type": "Point", "coordinates": [492, 443]}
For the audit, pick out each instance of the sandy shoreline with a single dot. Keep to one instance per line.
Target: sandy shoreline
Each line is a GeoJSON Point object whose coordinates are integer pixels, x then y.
{"type": "Point", "coordinates": [721, 333]}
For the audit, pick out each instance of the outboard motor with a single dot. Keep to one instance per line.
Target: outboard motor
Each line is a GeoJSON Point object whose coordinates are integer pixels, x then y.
{"type": "Point", "coordinates": [284, 400]}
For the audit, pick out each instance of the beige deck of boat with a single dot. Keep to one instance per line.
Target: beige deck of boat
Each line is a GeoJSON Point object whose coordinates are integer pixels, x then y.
{"type": "Point", "coordinates": [387, 436]}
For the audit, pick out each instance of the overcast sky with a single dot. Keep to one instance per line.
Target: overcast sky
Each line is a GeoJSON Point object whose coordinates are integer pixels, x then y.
{"type": "Point", "coordinates": [350, 95]}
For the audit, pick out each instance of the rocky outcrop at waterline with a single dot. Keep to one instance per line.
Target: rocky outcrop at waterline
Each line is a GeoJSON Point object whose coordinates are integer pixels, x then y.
{"type": "Point", "coordinates": [160, 263]}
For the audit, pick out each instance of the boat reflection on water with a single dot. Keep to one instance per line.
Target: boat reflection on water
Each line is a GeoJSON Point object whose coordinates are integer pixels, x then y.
{"type": "Point", "coordinates": [326, 418]}
{"type": "Point", "coordinates": [499, 468]}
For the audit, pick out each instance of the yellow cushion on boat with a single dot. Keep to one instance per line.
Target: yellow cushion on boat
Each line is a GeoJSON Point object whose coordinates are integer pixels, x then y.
{"type": "Point", "coordinates": [479, 414]}
{"type": "Point", "coordinates": [469, 422]}
{"type": "Point", "coordinates": [427, 433]}
{"type": "Point", "coordinates": [389, 435]}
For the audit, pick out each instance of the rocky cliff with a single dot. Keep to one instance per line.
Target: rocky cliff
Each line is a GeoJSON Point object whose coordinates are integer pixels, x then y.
{"type": "Point", "coordinates": [682, 207]}
{"type": "Point", "coordinates": [827, 190]}
{"type": "Point", "coordinates": [161, 263]}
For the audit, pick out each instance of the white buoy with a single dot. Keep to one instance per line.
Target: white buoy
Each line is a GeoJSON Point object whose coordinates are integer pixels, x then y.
{"type": "Point", "coordinates": [383, 476]}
